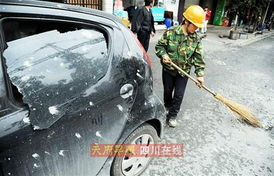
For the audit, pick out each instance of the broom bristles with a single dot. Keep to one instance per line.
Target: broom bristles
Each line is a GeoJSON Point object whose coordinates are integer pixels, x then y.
{"type": "Point", "coordinates": [241, 110]}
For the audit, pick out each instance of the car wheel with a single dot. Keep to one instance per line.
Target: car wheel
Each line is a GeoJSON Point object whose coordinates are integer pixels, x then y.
{"type": "Point", "coordinates": [133, 166]}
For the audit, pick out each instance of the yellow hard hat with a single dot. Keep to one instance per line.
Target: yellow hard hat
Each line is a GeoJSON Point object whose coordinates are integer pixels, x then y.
{"type": "Point", "coordinates": [195, 14]}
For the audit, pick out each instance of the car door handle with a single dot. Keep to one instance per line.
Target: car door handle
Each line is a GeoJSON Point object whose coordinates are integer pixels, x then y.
{"type": "Point", "coordinates": [126, 91]}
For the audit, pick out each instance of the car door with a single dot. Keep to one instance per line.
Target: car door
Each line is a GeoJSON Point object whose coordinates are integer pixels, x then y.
{"type": "Point", "coordinates": [64, 70]}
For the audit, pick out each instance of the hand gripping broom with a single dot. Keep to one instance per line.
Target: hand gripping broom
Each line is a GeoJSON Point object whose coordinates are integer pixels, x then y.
{"type": "Point", "coordinates": [239, 109]}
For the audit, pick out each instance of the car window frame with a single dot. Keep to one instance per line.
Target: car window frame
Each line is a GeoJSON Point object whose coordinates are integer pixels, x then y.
{"type": "Point", "coordinates": [10, 105]}
{"type": "Point", "coordinates": [106, 30]}
{"type": "Point", "coordinates": [2, 77]}
{"type": "Point", "coordinates": [3, 94]}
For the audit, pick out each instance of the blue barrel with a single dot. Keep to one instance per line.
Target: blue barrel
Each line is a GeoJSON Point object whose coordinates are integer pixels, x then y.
{"type": "Point", "coordinates": [168, 22]}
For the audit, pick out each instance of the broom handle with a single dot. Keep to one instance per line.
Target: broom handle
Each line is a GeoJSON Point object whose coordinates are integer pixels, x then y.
{"type": "Point", "coordinates": [193, 79]}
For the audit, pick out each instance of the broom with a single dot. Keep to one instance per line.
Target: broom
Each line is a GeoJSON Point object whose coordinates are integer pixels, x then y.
{"type": "Point", "coordinates": [239, 109]}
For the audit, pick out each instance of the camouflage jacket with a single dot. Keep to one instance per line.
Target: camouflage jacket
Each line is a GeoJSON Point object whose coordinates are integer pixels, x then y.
{"type": "Point", "coordinates": [184, 50]}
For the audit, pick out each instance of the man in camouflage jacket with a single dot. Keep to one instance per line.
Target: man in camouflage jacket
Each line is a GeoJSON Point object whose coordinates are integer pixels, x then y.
{"type": "Point", "coordinates": [182, 46]}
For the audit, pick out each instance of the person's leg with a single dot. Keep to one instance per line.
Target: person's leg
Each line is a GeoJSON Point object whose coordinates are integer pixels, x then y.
{"type": "Point", "coordinates": [206, 21]}
{"type": "Point", "coordinates": [143, 37]}
{"type": "Point", "coordinates": [168, 83]}
{"type": "Point", "coordinates": [180, 86]}
{"type": "Point", "coordinates": [203, 28]}
{"type": "Point", "coordinates": [146, 41]}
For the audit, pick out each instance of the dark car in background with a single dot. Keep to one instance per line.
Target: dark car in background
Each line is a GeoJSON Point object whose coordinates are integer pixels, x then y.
{"type": "Point", "coordinates": [71, 77]}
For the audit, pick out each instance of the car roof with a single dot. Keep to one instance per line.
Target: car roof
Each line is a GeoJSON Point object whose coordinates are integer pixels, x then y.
{"type": "Point", "coordinates": [61, 6]}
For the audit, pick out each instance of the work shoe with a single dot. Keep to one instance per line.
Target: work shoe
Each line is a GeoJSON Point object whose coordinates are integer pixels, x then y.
{"type": "Point", "coordinates": [172, 123]}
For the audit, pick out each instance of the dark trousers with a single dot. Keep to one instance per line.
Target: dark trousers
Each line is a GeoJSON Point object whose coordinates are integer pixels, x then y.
{"type": "Point", "coordinates": [143, 37]}
{"type": "Point", "coordinates": [174, 90]}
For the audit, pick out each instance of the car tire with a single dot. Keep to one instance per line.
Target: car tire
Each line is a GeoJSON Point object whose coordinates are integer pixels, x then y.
{"type": "Point", "coordinates": [120, 167]}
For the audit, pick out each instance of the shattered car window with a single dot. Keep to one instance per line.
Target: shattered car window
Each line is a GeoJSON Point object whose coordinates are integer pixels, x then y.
{"type": "Point", "coordinates": [52, 64]}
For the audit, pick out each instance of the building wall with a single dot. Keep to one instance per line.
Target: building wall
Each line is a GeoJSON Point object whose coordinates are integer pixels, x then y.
{"type": "Point", "coordinates": [108, 6]}
{"type": "Point", "coordinates": [183, 5]}
{"type": "Point", "coordinates": [191, 2]}
{"type": "Point", "coordinates": [128, 3]}
{"type": "Point", "coordinates": [171, 5]}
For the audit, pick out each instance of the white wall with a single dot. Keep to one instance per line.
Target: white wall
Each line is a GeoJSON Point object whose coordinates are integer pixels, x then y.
{"type": "Point", "coordinates": [171, 5]}
{"type": "Point", "coordinates": [108, 6]}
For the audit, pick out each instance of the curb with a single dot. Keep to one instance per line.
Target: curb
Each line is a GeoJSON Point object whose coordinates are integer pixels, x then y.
{"type": "Point", "coordinates": [255, 39]}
